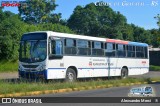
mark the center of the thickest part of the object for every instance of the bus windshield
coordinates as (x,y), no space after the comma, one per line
(32,50)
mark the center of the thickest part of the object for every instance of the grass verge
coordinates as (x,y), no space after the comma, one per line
(24,87)
(8,66)
(154,68)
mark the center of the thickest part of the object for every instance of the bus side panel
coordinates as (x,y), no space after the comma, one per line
(95,66)
(56,73)
(135,66)
(141,67)
(119,63)
(56,69)
(91,66)
(81,63)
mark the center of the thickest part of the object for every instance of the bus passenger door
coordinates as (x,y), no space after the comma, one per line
(56,68)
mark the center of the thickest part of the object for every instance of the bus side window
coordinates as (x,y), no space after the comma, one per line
(146,52)
(70,46)
(130,51)
(139,52)
(56,47)
(110,49)
(83,47)
(142,52)
(133,52)
(120,50)
(97,48)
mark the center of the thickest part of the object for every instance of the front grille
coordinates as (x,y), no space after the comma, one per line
(30,66)
(30,70)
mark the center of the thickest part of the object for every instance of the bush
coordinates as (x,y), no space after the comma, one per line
(8,66)
(154,68)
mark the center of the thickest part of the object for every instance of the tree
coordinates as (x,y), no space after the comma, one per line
(54,27)
(39,11)
(11,29)
(1,15)
(155,41)
(127,32)
(141,35)
(97,21)
(5,14)
(158,19)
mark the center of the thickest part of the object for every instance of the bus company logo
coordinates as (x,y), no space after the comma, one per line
(143,62)
(11,3)
(146,91)
(90,63)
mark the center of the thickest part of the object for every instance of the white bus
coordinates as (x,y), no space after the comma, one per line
(53,55)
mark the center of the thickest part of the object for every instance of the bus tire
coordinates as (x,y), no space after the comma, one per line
(124,73)
(70,75)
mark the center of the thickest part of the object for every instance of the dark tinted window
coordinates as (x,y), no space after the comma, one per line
(70,43)
(140,52)
(121,52)
(110,49)
(70,46)
(97,48)
(34,36)
(82,43)
(146,52)
(83,47)
(97,45)
(130,51)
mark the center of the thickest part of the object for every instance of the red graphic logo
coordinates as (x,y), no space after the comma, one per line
(143,62)
(90,63)
(10,4)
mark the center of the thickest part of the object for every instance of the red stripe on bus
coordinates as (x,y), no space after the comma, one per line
(117,41)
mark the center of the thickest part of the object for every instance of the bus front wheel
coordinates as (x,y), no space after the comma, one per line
(70,75)
(124,73)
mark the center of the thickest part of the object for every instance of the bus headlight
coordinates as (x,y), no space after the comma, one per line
(41,68)
(20,68)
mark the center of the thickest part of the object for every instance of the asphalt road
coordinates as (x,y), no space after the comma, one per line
(108,92)
(151,74)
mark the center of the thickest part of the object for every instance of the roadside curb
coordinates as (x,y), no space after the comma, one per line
(72,89)
(153,81)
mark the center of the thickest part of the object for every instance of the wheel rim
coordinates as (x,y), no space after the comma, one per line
(123,74)
(70,76)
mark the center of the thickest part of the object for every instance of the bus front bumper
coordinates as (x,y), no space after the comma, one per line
(33,75)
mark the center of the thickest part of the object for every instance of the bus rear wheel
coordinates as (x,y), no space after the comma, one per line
(124,73)
(70,75)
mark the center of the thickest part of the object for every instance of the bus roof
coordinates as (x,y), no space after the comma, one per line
(58,34)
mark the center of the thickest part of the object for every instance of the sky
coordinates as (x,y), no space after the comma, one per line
(138,12)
